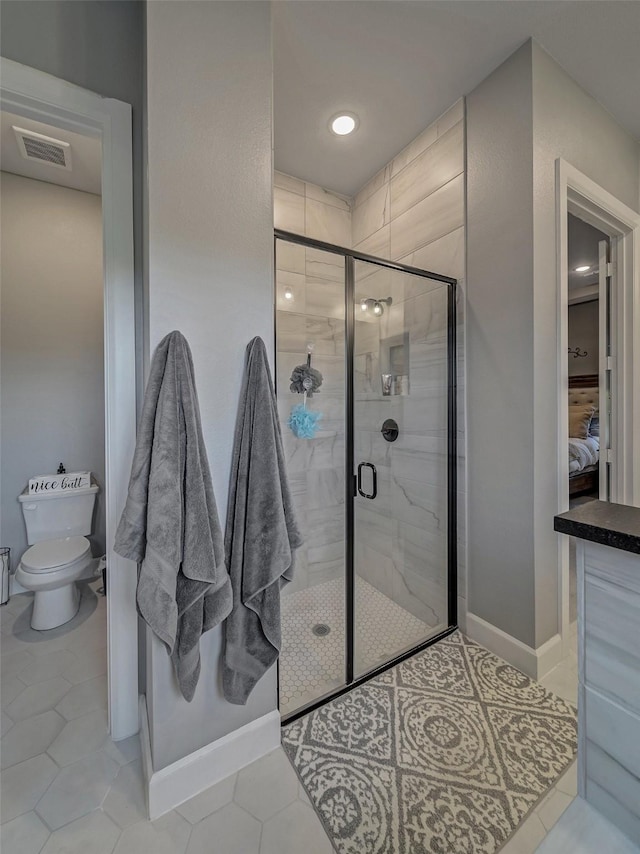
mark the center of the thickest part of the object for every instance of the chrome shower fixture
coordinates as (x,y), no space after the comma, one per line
(375,306)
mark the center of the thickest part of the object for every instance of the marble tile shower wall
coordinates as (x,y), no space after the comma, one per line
(402,534)
(313,314)
(411,211)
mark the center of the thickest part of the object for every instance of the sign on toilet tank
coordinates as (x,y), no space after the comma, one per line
(59,482)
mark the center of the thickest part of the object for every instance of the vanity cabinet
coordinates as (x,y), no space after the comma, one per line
(608,567)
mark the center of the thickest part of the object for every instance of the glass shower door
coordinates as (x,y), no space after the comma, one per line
(400,457)
(374,479)
(310,329)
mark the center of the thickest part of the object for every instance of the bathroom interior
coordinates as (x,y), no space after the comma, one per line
(374,582)
(52,355)
(370,588)
(369,301)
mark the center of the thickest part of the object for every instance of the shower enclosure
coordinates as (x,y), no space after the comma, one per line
(374,477)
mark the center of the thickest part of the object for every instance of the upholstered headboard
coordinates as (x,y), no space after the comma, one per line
(583,389)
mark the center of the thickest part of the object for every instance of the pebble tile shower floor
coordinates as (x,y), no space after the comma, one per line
(312,662)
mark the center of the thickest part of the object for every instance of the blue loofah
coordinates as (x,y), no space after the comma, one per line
(304,422)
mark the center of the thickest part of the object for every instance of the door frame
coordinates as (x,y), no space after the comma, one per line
(350,256)
(42,97)
(578,194)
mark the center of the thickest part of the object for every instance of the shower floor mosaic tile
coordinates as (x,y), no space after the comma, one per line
(445,753)
(312,664)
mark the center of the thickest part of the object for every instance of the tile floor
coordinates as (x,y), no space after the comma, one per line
(563,679)
(583,830)
(311,665)
(68,789)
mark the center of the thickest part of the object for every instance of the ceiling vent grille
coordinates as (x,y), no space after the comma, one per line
(45,149)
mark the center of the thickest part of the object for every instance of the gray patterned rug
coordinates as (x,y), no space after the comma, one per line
(445,753)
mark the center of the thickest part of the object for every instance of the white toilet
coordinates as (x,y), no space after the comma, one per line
(57,524)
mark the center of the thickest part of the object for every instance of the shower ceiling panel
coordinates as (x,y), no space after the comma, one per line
(399,65)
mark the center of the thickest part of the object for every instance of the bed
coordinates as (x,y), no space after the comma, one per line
(584,453)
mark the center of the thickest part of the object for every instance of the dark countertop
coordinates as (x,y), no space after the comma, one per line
(614,525)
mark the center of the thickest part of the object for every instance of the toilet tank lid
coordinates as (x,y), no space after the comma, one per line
(48,496)
(51,553)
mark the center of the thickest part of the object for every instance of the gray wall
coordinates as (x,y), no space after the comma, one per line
(99,45)
(51,339)
(96,44)
(519,121)
(584,323)
(568,123)
(210,268)
(500,422)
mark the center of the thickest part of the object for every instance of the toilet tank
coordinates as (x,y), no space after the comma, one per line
(54,515)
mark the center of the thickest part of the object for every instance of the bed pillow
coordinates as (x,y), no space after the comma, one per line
(594,427)
(579,420)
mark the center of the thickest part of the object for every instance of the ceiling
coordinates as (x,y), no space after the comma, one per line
(583,242)
(399,65)
(86,156)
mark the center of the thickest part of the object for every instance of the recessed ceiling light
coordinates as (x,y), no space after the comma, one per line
(583,268)
(343,124)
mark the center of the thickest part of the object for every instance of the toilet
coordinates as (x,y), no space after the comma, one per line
(60,553)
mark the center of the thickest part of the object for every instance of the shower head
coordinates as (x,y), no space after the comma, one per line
(374,306)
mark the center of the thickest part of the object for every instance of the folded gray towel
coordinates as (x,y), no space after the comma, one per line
(170,521)
(261,534)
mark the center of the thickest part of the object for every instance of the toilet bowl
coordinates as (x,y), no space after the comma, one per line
(51,569)
(59,553)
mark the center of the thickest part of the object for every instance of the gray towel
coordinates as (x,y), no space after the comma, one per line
(170,521)
(261,533)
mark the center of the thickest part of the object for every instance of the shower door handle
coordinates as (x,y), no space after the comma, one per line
(361,492)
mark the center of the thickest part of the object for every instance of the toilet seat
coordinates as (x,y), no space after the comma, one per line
(49,555)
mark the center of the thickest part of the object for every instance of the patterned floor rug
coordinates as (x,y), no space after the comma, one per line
(445,753)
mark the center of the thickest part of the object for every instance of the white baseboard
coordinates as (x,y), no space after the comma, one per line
(536,663)
(462,614)
(175,784)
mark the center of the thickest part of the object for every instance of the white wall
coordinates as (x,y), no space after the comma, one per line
(519,121)
(210,271)
(52,358)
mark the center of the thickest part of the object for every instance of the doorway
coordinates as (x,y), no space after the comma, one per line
(36,96)
(589,347)
(612,387)
(370,445)
(52,345)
